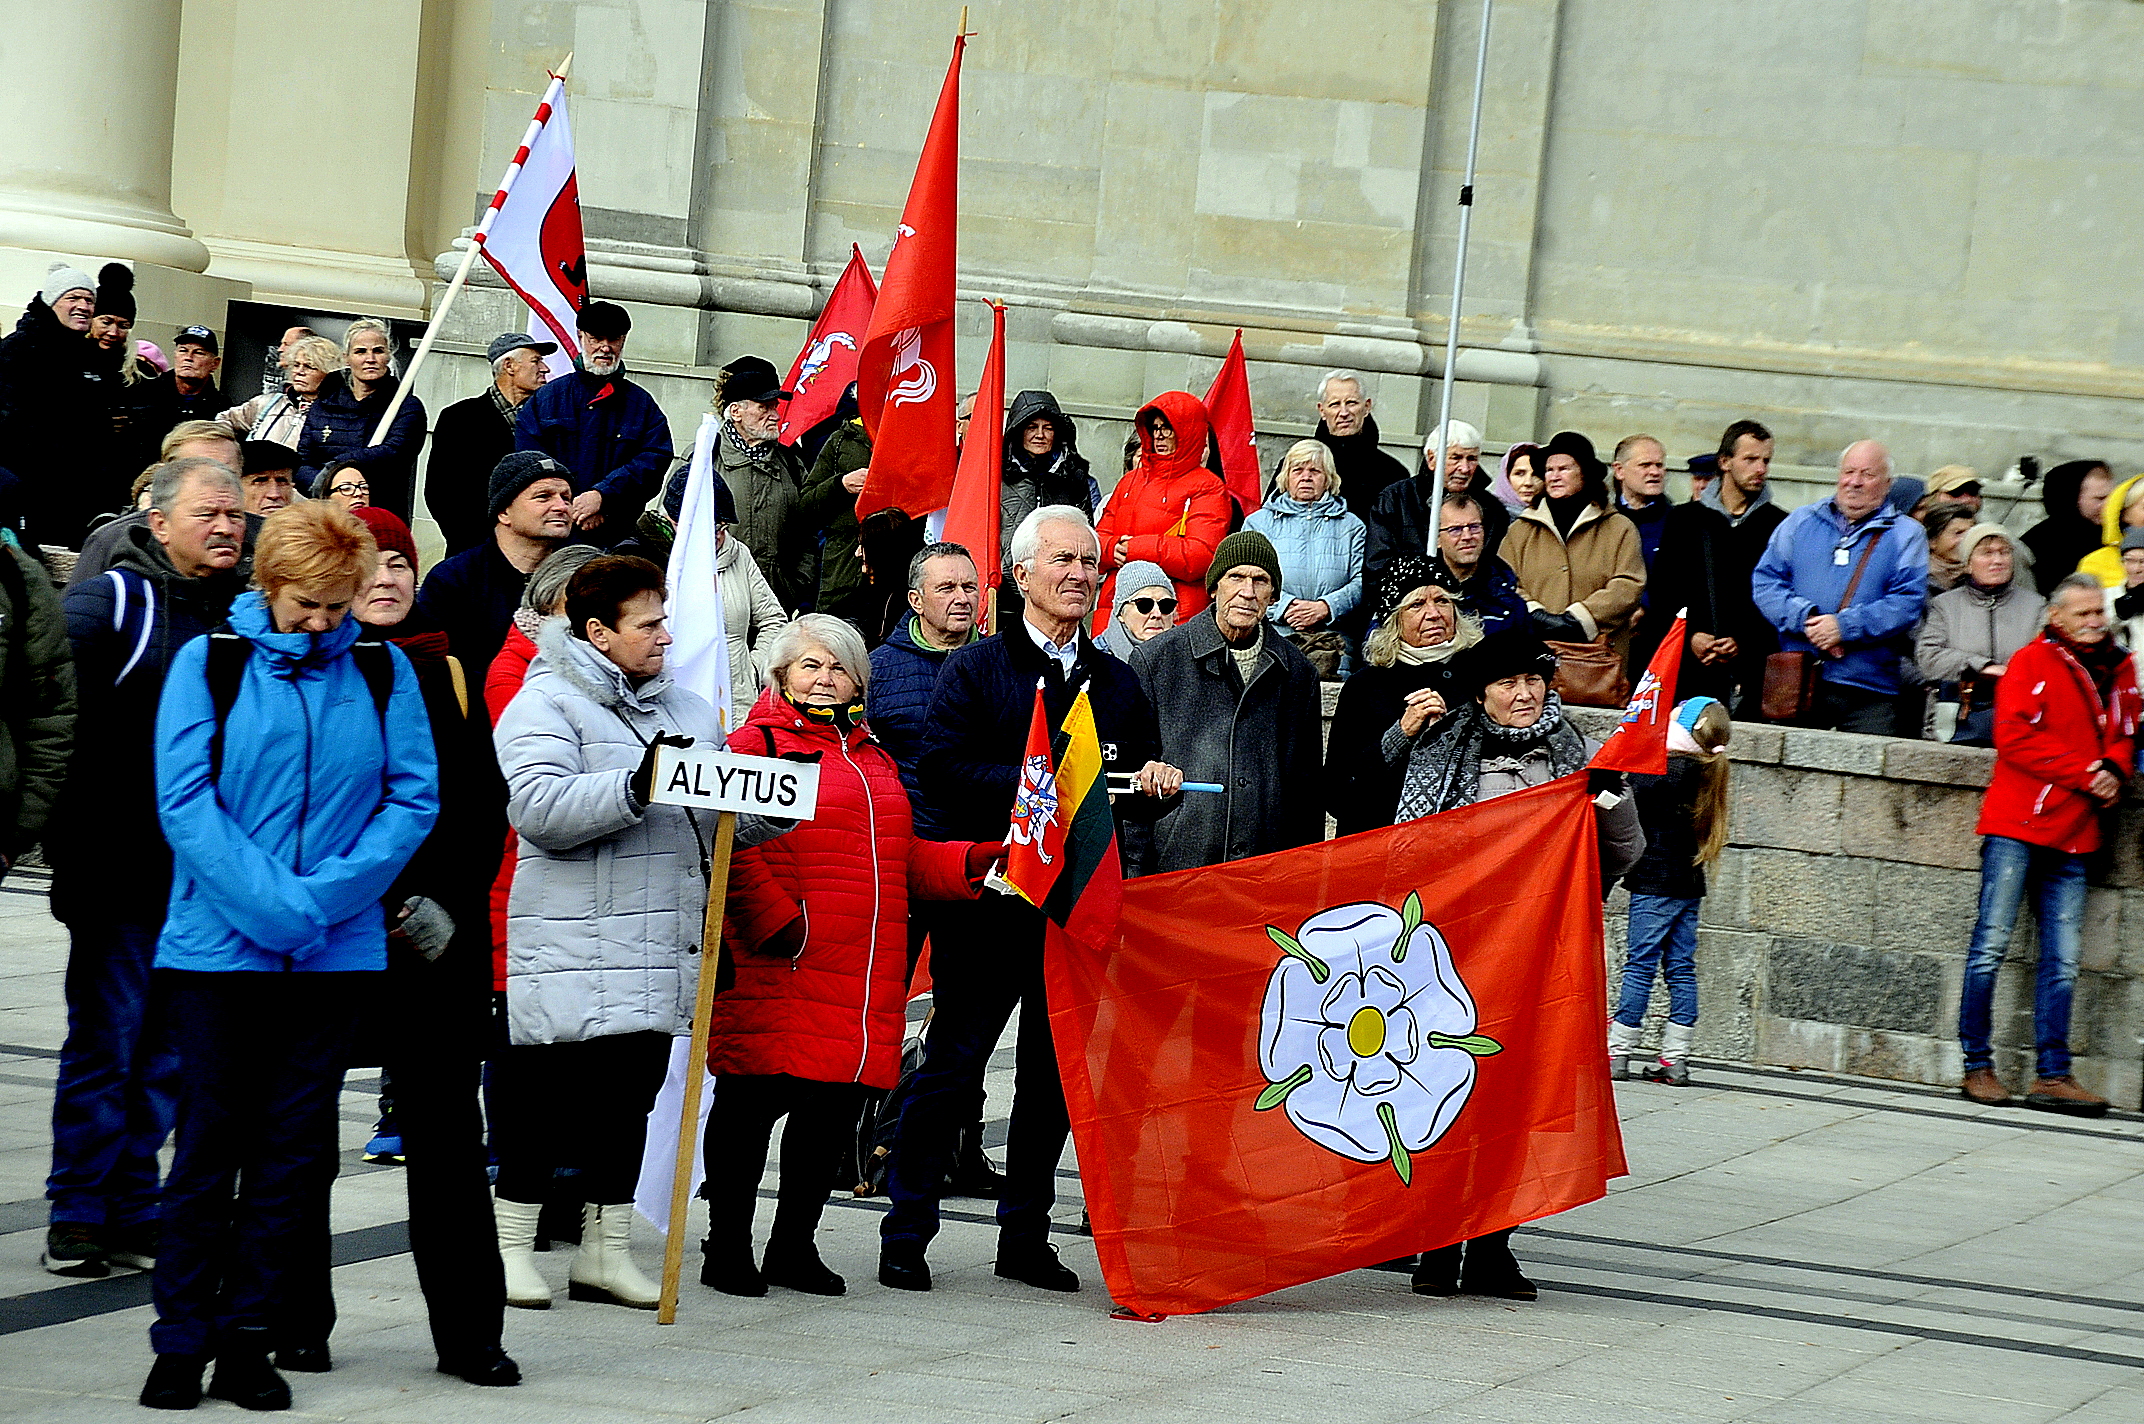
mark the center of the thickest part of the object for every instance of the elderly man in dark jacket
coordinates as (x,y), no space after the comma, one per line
(173,580)
(471,437)
(55,408)
(1238,707)
(606,430)
(36,699)
(987,958)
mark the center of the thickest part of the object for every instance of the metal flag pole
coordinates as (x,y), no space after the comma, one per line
(438,319)
(1459,282)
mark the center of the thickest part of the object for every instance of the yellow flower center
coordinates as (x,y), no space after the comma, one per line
(1366,1032)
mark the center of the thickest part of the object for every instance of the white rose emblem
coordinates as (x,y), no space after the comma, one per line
(1367,1034)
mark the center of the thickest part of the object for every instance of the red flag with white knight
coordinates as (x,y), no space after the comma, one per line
(1287,1067)
(531,232)
(826,365)
(1228,408)
(905,385)
(1035,845)
(1640,740)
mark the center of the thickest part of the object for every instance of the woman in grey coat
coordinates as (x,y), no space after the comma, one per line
(1972,631)
(1511,735)
(603,923)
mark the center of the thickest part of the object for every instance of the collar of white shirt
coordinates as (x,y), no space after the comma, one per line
(1066,656)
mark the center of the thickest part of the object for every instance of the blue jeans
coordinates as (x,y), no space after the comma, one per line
(2008,868)
(118,1080)
(1663,941)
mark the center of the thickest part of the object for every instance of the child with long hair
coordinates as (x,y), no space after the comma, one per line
(1684,813)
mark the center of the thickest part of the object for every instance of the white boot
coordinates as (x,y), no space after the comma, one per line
(525,1286)
(1674,1066)
(1622,1043)
(603,1268)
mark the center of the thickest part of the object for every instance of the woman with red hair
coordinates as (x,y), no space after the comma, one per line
(1169,509)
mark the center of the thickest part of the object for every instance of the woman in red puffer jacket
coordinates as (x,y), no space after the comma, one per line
(1170,509)
(817,927)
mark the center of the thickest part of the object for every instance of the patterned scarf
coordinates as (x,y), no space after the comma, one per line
(1444,772)
(757,454)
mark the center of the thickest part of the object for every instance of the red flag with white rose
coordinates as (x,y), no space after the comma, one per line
(1284,1068)
(531,232)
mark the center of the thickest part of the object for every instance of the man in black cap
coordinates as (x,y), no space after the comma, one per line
(473,435)
(767,477)
(188,391)
(270,477)
(608,432)
(474,594)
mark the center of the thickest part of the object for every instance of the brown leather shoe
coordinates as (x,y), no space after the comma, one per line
(2062,1095)
(1983,1087)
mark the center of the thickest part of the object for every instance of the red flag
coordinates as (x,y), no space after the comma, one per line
(971,518)
(1640,743)
(531,232)
(826,365)
(905,373)
(1035,846)
(1288,1067)
(1228,406)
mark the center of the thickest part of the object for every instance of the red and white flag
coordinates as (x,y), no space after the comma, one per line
(1640,741)
(1228,406)
(531,233)
(827,364)
(972,518)
(905,388)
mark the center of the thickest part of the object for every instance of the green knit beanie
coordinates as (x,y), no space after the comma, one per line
(1245,546)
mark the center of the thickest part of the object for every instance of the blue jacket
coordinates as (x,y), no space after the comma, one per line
(1492,595)
(338,427)
(1805,569)
(1320,547)
(904,673)
(280,863)
(617,444)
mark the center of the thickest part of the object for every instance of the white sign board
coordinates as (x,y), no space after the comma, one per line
(724,781)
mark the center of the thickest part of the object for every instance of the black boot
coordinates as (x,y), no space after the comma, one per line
(727,1266)
(1492,1270)
(305,1359)
(486,1365)
(796,1266)
(1437,1272)
(243,1374)
(973,1174)
(174,1382)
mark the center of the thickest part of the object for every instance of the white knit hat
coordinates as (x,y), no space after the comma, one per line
(62,278)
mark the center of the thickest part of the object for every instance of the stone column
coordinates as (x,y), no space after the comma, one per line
(86,114)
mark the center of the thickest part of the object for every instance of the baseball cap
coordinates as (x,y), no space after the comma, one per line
(199,336)
(518,341)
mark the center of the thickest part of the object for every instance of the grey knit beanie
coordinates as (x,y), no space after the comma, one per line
(62,278)
(1137,575)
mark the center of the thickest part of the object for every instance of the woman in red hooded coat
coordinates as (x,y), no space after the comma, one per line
(1169,509)
(817,928)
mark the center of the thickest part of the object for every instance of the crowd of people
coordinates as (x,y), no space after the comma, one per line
(356,793)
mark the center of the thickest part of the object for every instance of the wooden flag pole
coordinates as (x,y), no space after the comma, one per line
(431,330)
(688,1130)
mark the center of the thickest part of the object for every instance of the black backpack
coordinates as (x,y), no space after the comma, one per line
(228,652)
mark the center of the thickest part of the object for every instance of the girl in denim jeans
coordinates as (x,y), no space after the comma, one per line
(1684,813)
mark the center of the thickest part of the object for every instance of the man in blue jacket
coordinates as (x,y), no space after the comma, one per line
(1846,579)
(603,428)
(942,598)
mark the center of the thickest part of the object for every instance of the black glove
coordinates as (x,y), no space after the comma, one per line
(1561,627)
(641,785)
(1612,782)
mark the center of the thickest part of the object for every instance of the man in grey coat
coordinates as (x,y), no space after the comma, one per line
(1239,707)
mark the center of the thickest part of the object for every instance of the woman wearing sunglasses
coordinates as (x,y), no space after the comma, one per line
(1146,605)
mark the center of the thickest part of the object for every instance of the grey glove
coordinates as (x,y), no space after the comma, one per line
(428,926)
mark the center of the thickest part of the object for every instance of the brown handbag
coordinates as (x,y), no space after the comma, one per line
(1790,678)
(1590,674)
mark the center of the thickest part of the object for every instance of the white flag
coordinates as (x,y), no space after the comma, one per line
(531,233)
(699,660)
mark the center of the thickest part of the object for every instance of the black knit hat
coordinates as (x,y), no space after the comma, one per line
(115,290)
(516,472)
(1405,574)
(1509,653)
(1591,471)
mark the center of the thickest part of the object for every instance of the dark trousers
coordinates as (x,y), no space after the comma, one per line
(986,961)
(118,1079)
(246,1207)
(1840,708)
(740,1123)
(572,1118)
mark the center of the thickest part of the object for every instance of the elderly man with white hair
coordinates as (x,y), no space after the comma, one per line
(1844,580)
(1361,468)
(1400,520)
(986,955)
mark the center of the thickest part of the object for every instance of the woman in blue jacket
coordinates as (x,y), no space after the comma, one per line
(294,781)
(1321,557)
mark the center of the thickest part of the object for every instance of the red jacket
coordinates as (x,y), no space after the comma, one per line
(836,1013)
(504,678)
(1173,509)
(2052,735)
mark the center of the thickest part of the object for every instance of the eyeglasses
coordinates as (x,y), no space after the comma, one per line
(1148,605)
(349,487)
(1462,529)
